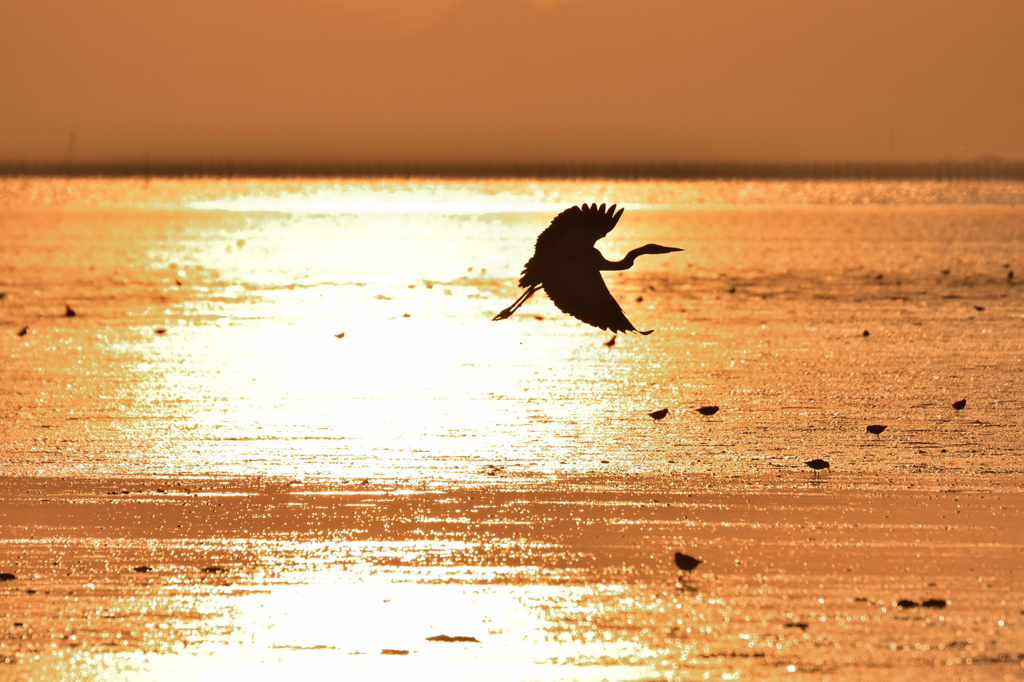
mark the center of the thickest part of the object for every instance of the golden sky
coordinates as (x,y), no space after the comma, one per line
(510,80)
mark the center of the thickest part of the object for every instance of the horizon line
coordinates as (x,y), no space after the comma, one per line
(981,169)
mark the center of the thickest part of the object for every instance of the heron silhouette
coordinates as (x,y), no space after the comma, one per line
(568,267)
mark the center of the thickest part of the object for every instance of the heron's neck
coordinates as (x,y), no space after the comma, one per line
(626,263)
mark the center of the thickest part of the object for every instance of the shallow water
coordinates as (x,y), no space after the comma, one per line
(433,472)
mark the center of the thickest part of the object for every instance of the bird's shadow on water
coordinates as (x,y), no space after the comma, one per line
(688,588)
(691,586)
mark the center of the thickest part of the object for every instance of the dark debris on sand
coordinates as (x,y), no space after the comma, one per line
(927,603)
(451,638)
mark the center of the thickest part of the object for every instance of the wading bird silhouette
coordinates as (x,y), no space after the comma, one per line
(708,410)
(687,563)
(568,267)
(818,465)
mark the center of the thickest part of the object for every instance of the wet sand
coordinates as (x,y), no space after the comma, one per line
(439,474)
(558,583)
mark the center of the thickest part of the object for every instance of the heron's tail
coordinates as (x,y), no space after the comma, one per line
(507,312)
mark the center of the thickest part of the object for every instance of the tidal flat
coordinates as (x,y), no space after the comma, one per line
(281,432)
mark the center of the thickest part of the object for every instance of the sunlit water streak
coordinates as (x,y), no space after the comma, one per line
(503,479)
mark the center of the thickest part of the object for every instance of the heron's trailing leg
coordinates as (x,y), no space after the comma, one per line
(507,312)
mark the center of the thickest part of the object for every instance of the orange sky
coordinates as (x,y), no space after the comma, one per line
(510,80)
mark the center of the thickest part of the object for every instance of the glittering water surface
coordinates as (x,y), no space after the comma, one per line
(431,472)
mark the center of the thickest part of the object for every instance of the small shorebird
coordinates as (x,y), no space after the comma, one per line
(68,312)
(687,563)
(959,405)
(708,410)
(877,428)
(658,414)
(818,465)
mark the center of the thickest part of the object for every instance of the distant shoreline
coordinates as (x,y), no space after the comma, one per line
(939,170)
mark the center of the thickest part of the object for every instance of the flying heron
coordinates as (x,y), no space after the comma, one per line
(568,267)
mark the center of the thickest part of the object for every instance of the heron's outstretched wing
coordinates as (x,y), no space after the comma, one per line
(594,219)
(578,289)
(575,229)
